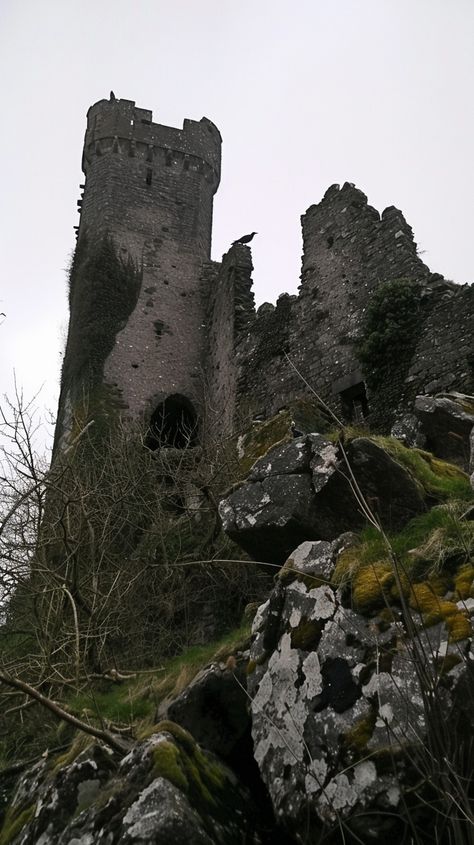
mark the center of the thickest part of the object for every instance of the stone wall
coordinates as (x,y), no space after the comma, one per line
(193,329)
(349,250)
(230,308)
(151,188)
(444,356)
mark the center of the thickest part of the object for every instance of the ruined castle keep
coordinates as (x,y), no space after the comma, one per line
(160,330)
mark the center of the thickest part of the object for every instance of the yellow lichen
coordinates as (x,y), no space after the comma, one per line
(347,564)
(425,599)
(459,626)
(371,585)
(464,581)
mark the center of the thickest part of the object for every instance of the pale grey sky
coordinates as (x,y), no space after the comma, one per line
(305,93)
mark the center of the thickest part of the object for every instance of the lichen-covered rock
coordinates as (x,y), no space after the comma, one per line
(299,417)
(304,490)
(447,421)
(407,431)
(338,707)
(167,790)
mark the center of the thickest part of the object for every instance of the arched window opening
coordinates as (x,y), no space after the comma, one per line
(173,424)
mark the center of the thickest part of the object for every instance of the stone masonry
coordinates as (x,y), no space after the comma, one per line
(151,188)
(194,332)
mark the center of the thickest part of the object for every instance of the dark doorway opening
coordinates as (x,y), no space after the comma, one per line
(354,403)
(173,424)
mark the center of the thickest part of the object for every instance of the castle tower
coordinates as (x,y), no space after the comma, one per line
(148,193)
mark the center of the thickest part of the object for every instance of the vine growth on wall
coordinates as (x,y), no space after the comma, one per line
(388,344)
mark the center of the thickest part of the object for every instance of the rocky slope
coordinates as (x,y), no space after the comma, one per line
(345,715)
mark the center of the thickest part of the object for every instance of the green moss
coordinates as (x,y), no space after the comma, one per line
(183,736)
(427,599)
(15,821)
(360,733)
(79,744)
(167,763)
(184,764)
(261,438)
(434,558)
(307,635)
(438,478)
(251,666)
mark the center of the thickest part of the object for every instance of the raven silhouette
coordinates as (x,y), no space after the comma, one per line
(245,239)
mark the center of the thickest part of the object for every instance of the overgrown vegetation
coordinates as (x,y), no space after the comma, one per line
(111,561)
(387,345)
(103,292)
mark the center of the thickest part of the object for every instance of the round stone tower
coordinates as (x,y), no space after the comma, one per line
(149,188)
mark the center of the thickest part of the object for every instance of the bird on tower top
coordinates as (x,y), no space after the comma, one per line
(112,96)
(245,239)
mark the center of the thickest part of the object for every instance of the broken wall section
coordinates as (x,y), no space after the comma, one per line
(349,251)
(230,307)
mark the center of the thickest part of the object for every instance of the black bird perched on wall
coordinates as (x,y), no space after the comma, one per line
(112,96)
(245,239)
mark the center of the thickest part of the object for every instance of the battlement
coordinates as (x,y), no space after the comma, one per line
(120,126)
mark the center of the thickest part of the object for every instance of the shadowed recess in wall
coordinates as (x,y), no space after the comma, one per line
(173,423)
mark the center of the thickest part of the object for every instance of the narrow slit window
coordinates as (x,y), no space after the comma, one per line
(149,175)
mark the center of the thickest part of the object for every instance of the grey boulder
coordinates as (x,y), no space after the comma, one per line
(338,711)
(305,490)
(447,420)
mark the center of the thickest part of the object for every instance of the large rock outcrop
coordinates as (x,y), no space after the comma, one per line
(343,703)
(446,422)
(306,489)
(167,790)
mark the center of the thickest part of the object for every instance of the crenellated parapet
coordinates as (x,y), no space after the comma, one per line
(119,126)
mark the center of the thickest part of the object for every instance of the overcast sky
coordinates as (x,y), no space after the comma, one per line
(305,93)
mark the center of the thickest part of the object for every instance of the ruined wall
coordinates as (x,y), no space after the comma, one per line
(151,188)
(188,326)
(349,249)
(444,356)
(230,308)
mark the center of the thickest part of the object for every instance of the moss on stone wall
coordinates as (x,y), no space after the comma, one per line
(103,292)
(388,343)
